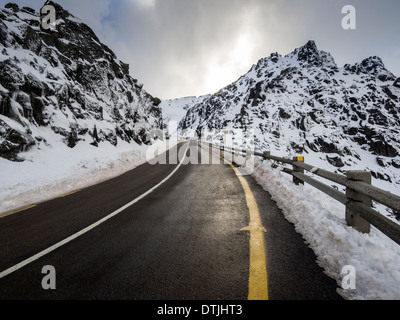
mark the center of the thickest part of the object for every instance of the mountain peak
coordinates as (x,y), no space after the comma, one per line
(373,66)
(307,52)
(61,12)
(310,46)
(310,55)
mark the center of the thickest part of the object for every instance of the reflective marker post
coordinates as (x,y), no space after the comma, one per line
(296,180)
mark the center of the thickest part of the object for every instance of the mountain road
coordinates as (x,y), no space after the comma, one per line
(179,231)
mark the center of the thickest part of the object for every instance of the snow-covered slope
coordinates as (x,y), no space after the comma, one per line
(70,113)
(65,87)
(345,118)
(174,110)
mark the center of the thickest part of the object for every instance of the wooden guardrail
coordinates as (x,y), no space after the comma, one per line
(357,198)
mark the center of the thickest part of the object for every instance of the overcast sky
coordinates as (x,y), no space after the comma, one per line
(183,48)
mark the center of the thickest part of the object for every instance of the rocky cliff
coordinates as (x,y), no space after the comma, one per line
(65,86)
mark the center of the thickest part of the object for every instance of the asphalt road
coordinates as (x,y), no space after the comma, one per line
(183,241)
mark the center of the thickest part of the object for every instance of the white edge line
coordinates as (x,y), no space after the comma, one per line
(87,229)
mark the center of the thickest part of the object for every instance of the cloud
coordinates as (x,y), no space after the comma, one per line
(194,47)
(146,3)
(186,47)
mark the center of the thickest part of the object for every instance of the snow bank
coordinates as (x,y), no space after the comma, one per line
(321,221)
(51,172)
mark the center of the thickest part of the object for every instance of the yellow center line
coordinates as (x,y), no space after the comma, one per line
(30,207)
(69,194)
(14,212)
(258,279)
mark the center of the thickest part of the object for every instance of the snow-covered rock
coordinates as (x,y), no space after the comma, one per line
(339,118)
(70,113)
(173,111)
(68,83)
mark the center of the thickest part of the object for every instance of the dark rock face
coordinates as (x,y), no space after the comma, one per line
(310,54)
(16,142)
(68,81)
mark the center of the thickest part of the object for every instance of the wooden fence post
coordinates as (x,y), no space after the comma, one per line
(354,219)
